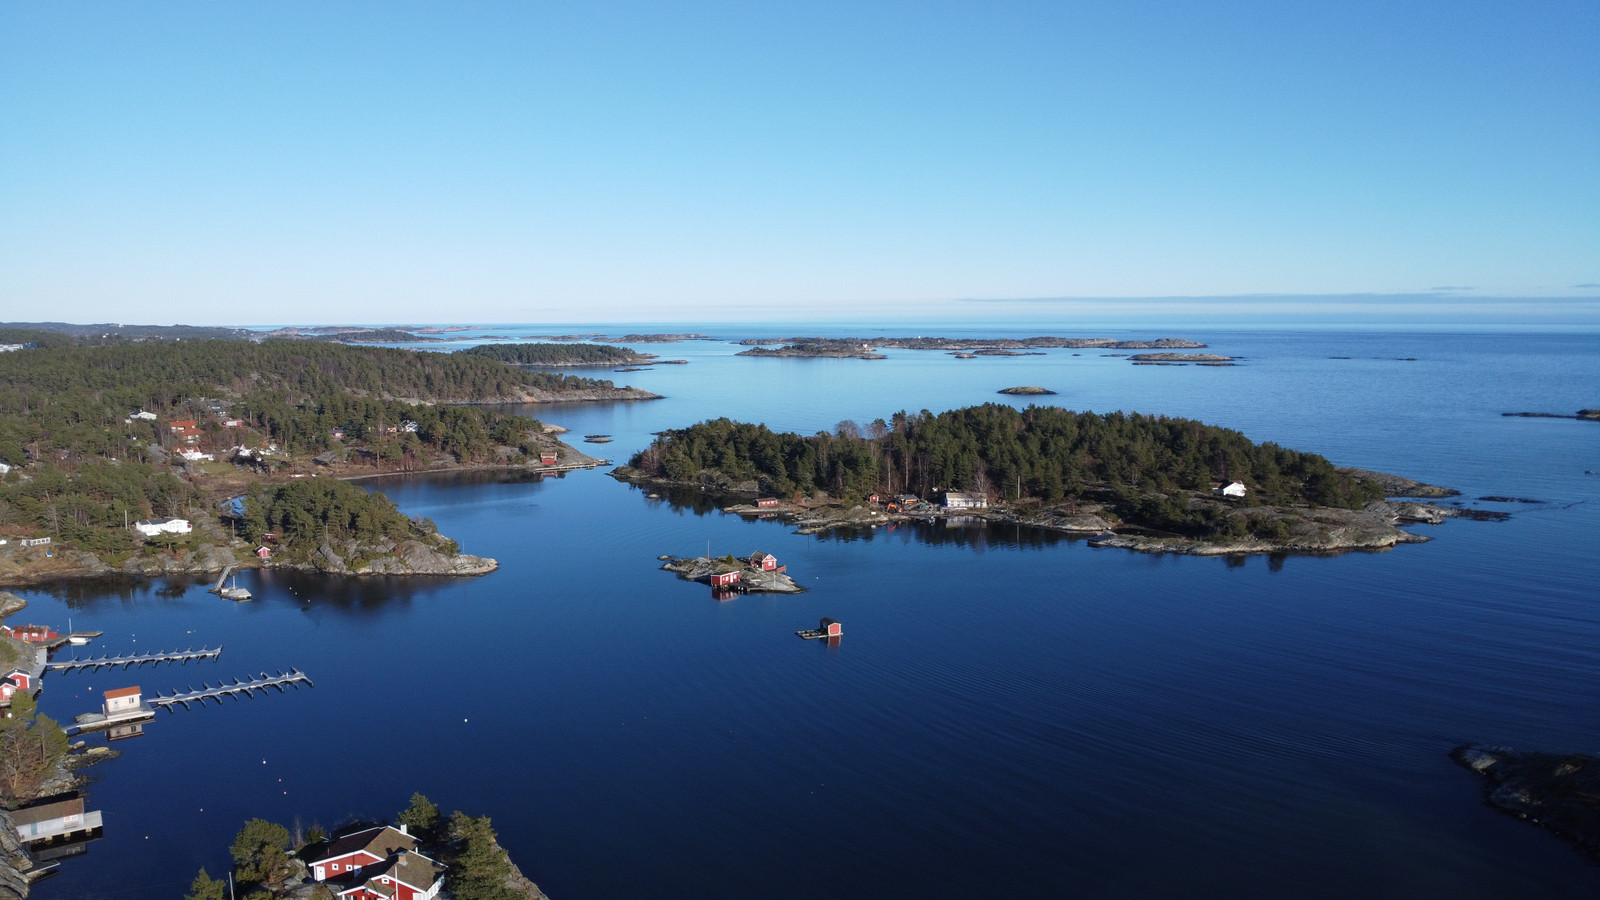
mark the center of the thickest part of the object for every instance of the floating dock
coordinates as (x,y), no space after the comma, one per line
(130,660)
(827,629)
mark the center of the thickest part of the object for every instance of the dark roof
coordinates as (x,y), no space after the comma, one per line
(44,812)
(381,841)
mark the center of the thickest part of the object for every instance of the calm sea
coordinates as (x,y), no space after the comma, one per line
(1009,714)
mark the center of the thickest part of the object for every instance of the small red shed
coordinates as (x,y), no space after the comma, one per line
(724,579)
(765,502)
(547,457)
(765,562)
(263,552)
(830,628)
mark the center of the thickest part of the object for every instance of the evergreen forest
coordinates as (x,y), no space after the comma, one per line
(546,354)
(78,464)
(1142,463)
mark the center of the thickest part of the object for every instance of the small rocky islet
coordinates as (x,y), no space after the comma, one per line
(1559,792)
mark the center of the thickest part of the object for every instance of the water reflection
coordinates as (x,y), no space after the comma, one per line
(349,593)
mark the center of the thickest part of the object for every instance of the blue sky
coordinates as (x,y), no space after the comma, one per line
(401,162)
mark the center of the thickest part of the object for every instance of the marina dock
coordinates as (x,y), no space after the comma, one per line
(129,660)
(245,688)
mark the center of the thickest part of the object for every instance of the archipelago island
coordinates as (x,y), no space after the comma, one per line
(1132,481)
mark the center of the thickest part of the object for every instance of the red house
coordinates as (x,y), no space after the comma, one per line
(34,634)
(14,681)
(765,502)
(765,562)
(357,850)
(263,552)
(830,628)
(407,875)
(724,579)
(547,457)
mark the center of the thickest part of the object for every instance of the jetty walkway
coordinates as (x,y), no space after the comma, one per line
(245,688)
(130,660)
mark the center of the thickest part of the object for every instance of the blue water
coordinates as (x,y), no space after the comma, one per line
(1010,713)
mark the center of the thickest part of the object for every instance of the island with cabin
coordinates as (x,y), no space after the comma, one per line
(1132,481)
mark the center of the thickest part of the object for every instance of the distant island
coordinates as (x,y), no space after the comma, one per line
(623,338)
(866,348)
(1027,391)
(131,464)
(1032,343)
(1204,359)
(1140,482)
(561,355)
(1591,415)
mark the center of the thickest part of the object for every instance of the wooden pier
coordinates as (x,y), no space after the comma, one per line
(245,688)
(127,661)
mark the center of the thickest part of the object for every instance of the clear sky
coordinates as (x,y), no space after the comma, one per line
(309,162)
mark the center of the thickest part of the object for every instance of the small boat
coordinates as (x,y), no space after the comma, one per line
(597,438)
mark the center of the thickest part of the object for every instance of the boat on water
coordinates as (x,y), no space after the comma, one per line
(597,438)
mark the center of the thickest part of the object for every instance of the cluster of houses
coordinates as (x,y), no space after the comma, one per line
(378,863)
(759,561)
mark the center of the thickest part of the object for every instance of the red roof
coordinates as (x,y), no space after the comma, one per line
(122,692)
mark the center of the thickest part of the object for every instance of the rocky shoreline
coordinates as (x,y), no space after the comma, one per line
(1558,792)
(751,579)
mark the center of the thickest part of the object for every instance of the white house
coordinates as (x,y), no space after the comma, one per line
(1231,489)
(194,455)
(141,414)
(4,468)
(165,525)
(955,500)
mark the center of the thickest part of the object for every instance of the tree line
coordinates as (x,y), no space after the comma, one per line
(546,354)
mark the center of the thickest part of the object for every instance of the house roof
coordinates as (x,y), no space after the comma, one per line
(408,867)
(380,840)
(115,693)
(44,812)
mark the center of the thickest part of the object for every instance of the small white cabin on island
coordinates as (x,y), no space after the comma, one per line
(955,500)
(1231,489)
(121,700)
(164,525)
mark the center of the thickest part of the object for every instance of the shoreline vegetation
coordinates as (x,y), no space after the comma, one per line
(99,433)
(1147,483)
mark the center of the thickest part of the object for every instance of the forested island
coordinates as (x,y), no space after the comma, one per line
(1165,484)
(98,434)
(557,355)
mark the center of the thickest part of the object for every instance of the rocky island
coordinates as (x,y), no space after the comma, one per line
(1026,391)
(753,575)
(1180,359)
(1143,483)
